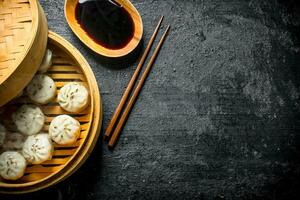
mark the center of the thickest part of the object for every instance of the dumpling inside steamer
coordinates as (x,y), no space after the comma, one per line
(41,89)
(14,142)
(12,165)
(47,62)
(38,148)
(29,119)
(64,129)
(73,97)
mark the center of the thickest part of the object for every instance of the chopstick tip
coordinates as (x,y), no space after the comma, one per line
(160,20)
(111,146)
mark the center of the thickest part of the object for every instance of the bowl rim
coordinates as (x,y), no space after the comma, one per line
(69,11)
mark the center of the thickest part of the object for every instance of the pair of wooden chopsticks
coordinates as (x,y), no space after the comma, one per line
(113,130)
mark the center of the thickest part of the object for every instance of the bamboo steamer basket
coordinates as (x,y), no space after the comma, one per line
(68,66)
(23,40)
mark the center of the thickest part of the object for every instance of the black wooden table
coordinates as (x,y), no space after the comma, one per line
(218,117)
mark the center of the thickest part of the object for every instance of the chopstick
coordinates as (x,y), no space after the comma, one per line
(117,131)
(131,84)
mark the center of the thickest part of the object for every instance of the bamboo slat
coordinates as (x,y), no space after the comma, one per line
(66,158)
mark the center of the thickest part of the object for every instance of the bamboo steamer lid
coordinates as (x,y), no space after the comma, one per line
(23,40)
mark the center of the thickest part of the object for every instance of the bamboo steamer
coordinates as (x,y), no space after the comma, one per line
(23,40)
(68,66)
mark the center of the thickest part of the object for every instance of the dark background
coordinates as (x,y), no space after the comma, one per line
(218,117)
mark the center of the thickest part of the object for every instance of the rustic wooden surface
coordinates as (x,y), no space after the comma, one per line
(218,117)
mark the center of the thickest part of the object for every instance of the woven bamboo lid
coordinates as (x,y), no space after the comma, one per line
(23,39)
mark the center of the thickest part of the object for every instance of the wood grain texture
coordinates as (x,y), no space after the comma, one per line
(70,6)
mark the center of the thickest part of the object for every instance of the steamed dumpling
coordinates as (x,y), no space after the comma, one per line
(14,141)
(29,119)
(38,148)
(12,165)
(47,62)
(41,89)
(2,134)
(64,129)
(73,97)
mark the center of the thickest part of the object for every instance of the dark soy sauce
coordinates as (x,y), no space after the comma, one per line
(106,22)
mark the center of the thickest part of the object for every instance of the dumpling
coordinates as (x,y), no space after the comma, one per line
(2,134)
(29,119)
(41,89)
(14,141)
(38,148)
(64,129)
(47,62)
(12,165)
(73,97)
